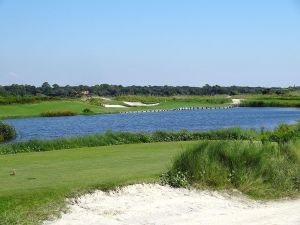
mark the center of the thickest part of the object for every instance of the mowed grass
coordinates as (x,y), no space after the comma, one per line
(44,179)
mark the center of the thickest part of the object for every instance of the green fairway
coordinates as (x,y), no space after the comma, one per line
(28,110)
(36,109)
(77,106)
(44,179)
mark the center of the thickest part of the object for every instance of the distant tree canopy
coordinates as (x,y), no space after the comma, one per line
(116,90)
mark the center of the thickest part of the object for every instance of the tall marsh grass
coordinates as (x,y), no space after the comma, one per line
(270,101)
(117,138)
(260,170)
(282,134)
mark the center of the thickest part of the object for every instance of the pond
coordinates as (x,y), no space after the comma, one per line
(56,127)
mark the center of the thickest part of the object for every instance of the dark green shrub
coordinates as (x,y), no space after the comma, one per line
(57,113)
(7,132)
(175,179)
(283,134)
(87,111)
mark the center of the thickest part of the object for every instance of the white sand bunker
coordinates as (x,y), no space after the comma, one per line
(114,106)
(105,98)
(153,204)
(139,104)
(236,101)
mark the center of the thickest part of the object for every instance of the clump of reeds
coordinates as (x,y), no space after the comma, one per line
(268,170)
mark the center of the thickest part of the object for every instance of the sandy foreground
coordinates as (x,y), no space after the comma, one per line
(153,204)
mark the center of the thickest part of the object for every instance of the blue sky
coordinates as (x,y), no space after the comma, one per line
(150,42)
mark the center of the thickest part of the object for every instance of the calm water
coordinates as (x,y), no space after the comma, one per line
(47,128)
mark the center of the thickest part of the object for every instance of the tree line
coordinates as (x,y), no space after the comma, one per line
(116,90)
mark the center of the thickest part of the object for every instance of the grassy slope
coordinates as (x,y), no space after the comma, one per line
(44,179)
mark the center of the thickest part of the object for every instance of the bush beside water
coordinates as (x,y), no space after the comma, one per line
(57,113)
(87,111)
(7,132)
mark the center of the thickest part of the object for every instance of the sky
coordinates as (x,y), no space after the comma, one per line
(150,42)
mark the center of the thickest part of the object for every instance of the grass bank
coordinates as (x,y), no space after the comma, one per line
(118,138)
(282,134)
(270,101)
(43,180)
(260,170)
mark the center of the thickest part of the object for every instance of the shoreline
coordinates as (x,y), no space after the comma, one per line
(155,110)
(132,111)
(180,109)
